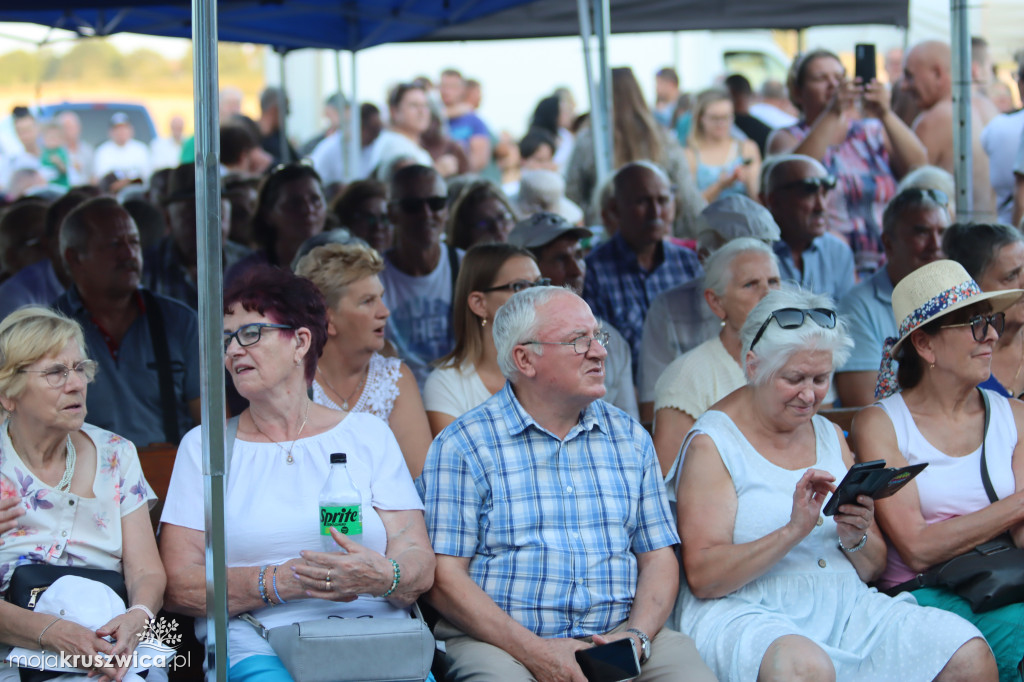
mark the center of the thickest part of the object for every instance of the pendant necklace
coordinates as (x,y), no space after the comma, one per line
(305,418)
(344,401)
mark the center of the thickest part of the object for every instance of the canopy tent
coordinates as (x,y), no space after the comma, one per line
(359,24)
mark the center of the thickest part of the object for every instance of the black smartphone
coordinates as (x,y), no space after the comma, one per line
(871,479)
(864,56)
(613,662)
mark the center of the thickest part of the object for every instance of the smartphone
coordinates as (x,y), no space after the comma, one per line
(864,56)
(613,662)
(871,479)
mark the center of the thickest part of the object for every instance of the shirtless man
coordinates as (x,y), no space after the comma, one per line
(926,76)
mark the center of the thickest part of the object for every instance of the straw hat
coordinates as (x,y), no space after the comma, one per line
(927,293)
(936,289)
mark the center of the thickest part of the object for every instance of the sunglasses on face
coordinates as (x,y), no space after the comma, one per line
(519,285)
(248,334)
(812,185)
(57,375)
(979,325)
(414,205)
(793,318)
(372,220)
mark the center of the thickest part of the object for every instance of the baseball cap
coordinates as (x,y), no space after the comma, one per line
(543,228)
(120,118)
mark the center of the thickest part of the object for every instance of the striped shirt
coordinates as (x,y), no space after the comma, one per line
(551,527)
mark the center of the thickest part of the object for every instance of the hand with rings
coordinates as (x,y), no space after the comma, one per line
(346,574)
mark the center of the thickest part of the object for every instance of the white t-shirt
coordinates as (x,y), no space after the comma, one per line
(699,379)
(132,159)
(165,152)
(1000,139)
(271,512)
(389,145)
(454,391)
(420,325)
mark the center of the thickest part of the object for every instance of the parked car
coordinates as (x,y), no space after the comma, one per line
(95,117)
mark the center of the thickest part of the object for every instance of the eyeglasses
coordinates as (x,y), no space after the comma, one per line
(979,325)
(248,334)
(793,318)
(494,224)
(580,344)
(519,285)
(415,204)
(372,220)
(815,185)
(58,375)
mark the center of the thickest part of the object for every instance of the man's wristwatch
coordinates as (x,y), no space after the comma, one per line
(645,643)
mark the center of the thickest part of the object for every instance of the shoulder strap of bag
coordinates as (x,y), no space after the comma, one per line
(229,443)
(162,355)
(453,264)
(985,480)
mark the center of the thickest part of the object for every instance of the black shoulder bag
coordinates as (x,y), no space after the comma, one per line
(989,576)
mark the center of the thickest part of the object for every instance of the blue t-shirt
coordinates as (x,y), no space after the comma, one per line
(462,128)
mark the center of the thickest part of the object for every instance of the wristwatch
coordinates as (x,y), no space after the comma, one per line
(645,643)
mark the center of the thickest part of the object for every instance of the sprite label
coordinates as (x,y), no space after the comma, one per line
(346,519)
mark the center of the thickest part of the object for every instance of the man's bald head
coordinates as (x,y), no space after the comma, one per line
(926,73)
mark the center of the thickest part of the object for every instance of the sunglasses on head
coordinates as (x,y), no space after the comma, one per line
(793,318)
(979,325)
(915,195)
(415,204)
(814,185)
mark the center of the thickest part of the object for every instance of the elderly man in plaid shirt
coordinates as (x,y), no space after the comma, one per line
(547,511)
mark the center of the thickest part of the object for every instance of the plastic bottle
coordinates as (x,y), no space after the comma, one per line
(340,505)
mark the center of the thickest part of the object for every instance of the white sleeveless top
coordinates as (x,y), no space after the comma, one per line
(951,486)
(379,394)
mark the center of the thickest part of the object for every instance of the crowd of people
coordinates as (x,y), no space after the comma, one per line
(574,413)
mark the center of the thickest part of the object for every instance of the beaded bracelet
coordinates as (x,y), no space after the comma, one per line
(273,581)
(394,581)
(143,608)
(263,586)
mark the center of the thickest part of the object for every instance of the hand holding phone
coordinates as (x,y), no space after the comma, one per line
(615,661)
(871,479)
(865,68)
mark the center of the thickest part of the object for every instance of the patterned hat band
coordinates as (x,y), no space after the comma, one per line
(966,289)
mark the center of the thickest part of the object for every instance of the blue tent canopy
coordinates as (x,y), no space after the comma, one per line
(359,24)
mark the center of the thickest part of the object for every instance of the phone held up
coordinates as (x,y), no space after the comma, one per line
(612,662)
(864,56)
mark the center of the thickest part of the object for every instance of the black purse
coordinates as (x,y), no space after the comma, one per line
(989,576)
(30,580)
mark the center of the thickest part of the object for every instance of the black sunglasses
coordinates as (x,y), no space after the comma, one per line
(814,185)
(979,325)
(413,205)
(519,285)
(793,318)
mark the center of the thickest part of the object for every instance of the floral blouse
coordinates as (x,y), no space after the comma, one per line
(64,529)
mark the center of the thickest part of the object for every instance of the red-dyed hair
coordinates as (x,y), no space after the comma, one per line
(286,299)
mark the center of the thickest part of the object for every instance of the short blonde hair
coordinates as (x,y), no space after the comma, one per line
(332,267)
(30,334)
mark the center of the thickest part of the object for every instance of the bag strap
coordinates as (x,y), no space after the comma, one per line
(261,629)
(229,443)
(985,480)
(162,354)
(453,265)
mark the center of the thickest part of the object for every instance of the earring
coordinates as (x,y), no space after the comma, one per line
(931,366)
(483,323)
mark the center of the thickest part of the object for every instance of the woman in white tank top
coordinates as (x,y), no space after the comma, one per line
(934,413)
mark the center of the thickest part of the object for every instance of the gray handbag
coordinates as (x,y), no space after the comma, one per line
(336,649)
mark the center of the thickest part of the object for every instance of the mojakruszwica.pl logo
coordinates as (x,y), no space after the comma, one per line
(156,649)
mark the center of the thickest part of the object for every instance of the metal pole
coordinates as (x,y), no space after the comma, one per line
(343,120)
(355,138)
(211,348)
(282,115)
(963,164)
(602,27)
(597,112)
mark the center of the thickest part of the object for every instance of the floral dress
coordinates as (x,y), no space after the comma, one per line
(64,529)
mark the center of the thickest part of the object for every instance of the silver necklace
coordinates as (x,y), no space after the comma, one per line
(305,418)
(344,401)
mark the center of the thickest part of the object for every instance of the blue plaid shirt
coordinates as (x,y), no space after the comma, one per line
(620,291)
(551,527)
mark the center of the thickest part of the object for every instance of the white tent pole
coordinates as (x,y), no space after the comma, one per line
(597,111)
(355,138)
(963,164)
(282,115)
(343,121)
(211,347)
(602,27)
